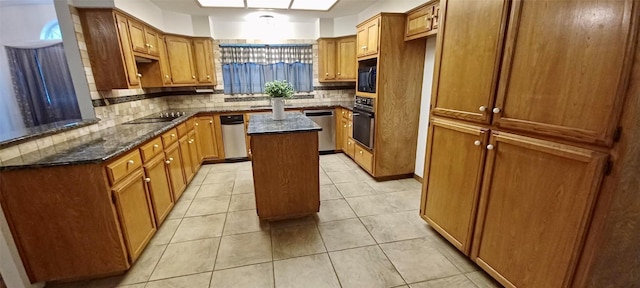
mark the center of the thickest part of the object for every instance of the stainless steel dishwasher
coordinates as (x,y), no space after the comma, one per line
(233,136)
(326,137)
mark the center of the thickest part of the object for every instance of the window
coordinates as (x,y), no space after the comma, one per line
(246,68)
(51,31)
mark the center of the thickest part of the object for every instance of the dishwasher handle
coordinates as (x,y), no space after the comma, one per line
(231,119)
(312,113)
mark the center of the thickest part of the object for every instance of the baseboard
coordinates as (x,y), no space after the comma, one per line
(418,178)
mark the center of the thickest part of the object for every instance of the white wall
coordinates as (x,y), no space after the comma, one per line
(144,10)
(252,30)
(425,103)
(389,6)
(18,25)
(343,26)
(201,26)
(325,27)
(177,23)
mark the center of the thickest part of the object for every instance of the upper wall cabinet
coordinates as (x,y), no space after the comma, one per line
(180,60)
(566,76)
(422,21)
(368,33)
(144,39)
(337,58)
(465,76)
(203,56)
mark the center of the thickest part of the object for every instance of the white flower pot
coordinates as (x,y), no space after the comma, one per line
(277,105)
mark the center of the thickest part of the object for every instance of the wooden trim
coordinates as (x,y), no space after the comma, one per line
(418,178)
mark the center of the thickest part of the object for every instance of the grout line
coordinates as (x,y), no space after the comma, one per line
(327,252)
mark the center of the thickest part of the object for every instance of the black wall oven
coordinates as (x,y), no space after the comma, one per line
(364,121)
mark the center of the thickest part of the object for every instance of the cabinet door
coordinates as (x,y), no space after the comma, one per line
(536,202)
(187,166)
(419,21)
(208,137)
(152,40)
(372,36)
(452,176)
(350,128)
(364,158)
(203,58)
(362,41)
(346,59)
(164,63)
(138,42)
(159,188)
(566,76)
(127,52)
(467,58)
(351,147)
(135,213)
(174,166)
(339,133)
(180,60)
(193,152)
(327,59)
(197,124)
(345,132)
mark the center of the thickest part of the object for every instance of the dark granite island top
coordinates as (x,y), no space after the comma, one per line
(294,122)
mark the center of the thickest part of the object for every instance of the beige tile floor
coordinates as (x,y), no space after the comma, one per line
(367,234)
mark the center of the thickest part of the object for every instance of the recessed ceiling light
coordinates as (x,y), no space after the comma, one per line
(322,5)
(270,4)
(222,3)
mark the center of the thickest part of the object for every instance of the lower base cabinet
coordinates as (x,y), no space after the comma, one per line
(135,213)
(185,154)
(159,188)
(174,166)
(364,158)
(351,148)
(533,206)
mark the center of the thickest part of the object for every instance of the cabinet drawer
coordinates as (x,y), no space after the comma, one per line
(364,158)
(170,137)
(151,149)
(182,130)
(123,166)
(191,124)
(351,147)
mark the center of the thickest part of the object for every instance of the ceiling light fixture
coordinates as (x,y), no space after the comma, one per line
(269,4)
(320,5)
(222,3)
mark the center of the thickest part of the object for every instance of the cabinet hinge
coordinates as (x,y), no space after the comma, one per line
(608,167)
(617,134)
(113,198)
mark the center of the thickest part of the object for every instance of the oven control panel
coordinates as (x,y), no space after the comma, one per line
(364,103)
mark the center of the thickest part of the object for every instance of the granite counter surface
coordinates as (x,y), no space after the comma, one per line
(293,122)
(109,143)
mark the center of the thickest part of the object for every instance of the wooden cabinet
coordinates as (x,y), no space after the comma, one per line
(555,79)
(174,166)
(363,157)
(157,180)
(467,59)
(165,70)
(180,60)
(143,38)
(350,150)
(203,55)
(367,37)
(345,132)
(130,68)
(135,213)
(337,57)
(194,151)
(209,133)
(452,180)
(339,129)
(422,21)
(187,165)
(536,202)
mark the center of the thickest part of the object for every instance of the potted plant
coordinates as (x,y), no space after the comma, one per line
(278,90)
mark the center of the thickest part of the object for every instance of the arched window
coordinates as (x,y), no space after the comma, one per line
(51,31)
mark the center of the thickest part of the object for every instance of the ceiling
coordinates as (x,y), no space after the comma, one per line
(24,2)
(340,9)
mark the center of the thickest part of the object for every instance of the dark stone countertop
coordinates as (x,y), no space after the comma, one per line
(17,136)
(109,143)
(293,122)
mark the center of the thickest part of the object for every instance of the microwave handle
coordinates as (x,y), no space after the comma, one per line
(370,79)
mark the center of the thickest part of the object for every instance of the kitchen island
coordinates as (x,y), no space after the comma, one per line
(286,167)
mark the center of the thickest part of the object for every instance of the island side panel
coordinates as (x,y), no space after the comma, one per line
(63,222)
(286,174)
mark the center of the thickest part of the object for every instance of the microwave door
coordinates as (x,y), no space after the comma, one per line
(370,81)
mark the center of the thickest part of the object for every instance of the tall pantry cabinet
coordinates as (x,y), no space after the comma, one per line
(526,107)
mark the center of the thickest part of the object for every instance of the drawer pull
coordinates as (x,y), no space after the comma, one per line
(490,147)
(173,135)
(131,162)
(139,75)
(361,152)
(496,110)
(210,122)
(482,108)
(477,143)
(170,159)
(166,76)
(147,180)
(197,124)
(155,146)
(168,162)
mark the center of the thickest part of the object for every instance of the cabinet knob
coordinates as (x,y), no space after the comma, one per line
(210,122)
(147,180)
(477,143)
(482,108)
(361,152)
(131,162)
(173,135)
(166,76)
(326,74)
(363,47)
(139,75)
(150,46)
(490,147)
(496,110)
(168,162)
(170,159)
(338,73)
(345,126)
(349,125)
(208,76)
(155,146)
(147,44)
(342,112)
(193,77)
(197,124)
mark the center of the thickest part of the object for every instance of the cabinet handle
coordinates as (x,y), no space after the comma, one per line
(326,74)
(168,162)
(193,77)
(147,180)
(150,46)
(173,135)
(338,73)
(363,47)
(131,162)
(210,122)
(166,76)
(349,125)
(482,108)
(496,110)
(155,146)
(170,159)
(139,75)
(342,112)
(147,44)
(490,147)
(477,143)
(197,124)
(345,126)
(361,152)
(208,76)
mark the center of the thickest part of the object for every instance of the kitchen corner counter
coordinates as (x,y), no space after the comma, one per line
(293,122)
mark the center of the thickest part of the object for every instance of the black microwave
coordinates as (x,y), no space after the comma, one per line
(367,79)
